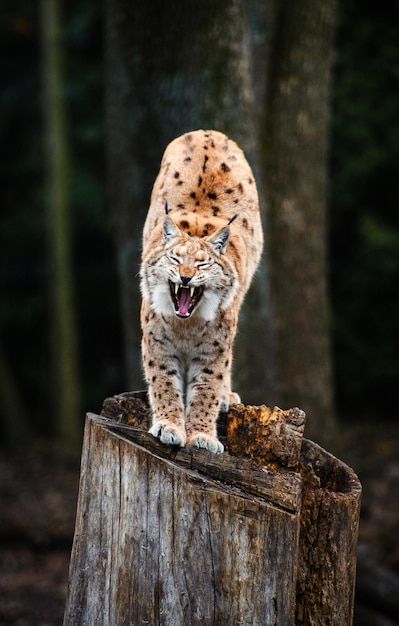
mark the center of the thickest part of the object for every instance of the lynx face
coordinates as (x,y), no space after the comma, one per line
(202,242)
(190,275)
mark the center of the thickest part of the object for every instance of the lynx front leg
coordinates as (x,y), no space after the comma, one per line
(168,411)
(165,390)
(206,392)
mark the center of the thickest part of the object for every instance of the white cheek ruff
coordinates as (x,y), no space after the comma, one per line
(160,300)
(231,294)
(209,305)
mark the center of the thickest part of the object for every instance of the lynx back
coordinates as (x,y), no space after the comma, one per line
(202,243)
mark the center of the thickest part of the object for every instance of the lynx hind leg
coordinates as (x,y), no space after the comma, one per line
(231,398)
(168,433)
(234,398)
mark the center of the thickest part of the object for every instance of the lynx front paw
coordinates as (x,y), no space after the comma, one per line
(168,433)
(201,440)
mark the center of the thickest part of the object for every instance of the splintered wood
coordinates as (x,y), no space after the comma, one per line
(266,435)
(130,407)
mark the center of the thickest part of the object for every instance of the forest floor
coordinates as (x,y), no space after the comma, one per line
(38,495)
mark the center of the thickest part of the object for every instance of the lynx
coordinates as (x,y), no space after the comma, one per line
(202,243)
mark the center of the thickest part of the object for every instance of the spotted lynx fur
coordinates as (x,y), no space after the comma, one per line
(202,243)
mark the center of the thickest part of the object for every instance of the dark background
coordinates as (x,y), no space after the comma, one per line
(363,280)
(363,215)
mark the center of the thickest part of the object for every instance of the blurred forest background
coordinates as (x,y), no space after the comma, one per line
(363,221)
(362,261)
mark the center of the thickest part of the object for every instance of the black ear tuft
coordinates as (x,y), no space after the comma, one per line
(232,219)
(166,208)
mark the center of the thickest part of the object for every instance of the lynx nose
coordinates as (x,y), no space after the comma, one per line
(185,279)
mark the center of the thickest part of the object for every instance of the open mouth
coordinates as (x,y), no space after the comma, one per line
(185,299)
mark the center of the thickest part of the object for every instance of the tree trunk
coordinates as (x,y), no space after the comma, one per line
(68,426)
(328,539)
(263,535)
(172,68)
(258,71)
(295,167)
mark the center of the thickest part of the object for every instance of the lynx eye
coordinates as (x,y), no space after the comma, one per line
(173,259)
(204,265)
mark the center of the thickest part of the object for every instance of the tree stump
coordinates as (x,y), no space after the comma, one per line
(264,534)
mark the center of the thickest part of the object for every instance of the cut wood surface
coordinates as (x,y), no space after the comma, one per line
(176,536)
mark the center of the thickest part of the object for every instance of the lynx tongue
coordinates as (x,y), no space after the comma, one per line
(184,301)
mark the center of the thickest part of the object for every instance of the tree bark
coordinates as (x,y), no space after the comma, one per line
(328,539)
(165,544)
(295,167)
(178,536)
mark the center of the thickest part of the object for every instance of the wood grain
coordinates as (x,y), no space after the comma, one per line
(264,534)
(159,543)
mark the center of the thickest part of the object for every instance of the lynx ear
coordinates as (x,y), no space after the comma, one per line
(170,230)
(220,239)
